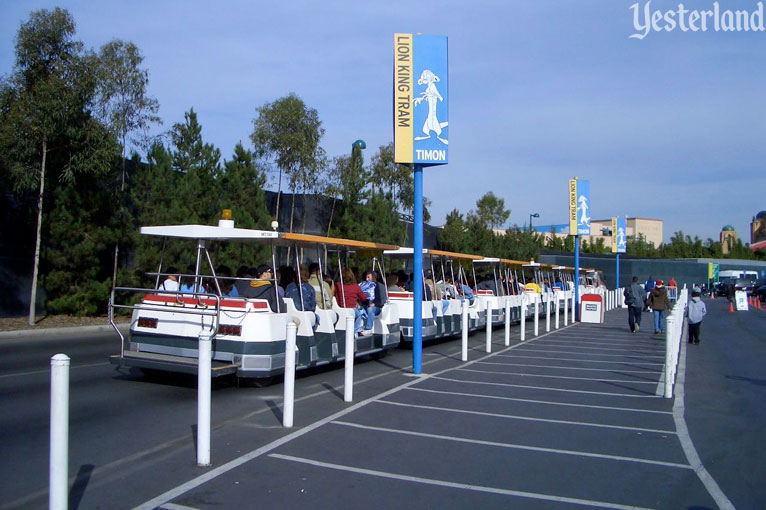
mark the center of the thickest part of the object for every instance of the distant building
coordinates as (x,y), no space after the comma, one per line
(649,228)
(758,228)
(728,239)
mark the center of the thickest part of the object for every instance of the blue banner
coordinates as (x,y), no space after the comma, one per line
(421,98)
(621,235)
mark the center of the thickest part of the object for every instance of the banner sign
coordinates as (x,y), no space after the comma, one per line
(712,271)
(579,207)
(421,113)
(619,237)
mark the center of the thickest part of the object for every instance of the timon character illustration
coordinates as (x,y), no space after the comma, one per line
(584,219)
(430,94)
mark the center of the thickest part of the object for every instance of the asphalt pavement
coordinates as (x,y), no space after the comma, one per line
(572,418)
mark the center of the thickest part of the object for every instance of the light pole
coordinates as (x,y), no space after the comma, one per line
(533,215)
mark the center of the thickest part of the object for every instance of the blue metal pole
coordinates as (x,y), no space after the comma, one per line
(617,278)
(417,267)
(577,280)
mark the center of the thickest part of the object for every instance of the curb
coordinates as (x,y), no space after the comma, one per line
(58,332)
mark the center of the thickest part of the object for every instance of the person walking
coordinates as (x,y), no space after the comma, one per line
(648,286)
(695,313)
(634,298)
(658,302)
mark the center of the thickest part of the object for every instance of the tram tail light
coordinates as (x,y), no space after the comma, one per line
(230,330)
(147,322)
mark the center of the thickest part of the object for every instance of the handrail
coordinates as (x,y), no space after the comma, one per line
(200,309)
(674,329)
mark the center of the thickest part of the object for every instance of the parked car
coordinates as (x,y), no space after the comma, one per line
(760,290)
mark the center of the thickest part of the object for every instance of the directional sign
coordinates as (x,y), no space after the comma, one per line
(579,207)
(619,237)
(421,113)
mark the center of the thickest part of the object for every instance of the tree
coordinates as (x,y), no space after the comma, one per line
(242,188)
(491,211)
(122,104)
(198,194)
(288,133)
(346,180)
(44,113)
(453,236)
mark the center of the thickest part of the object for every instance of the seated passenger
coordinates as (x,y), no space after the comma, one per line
(322,290)
(244,276)
(187,282)
(375,300)
(393,283)
(171,280)
(466,293)
(263,287)
(350,295)
(303,297)
(225,283)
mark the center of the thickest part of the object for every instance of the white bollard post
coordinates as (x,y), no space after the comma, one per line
(668,358)
(348,385)
(537,316)
(566,309)
(204,350)
(547,312)
(523,334)
(507,321)
(464,331)
(58,467)
(289,386)
(489,326)
(558,305)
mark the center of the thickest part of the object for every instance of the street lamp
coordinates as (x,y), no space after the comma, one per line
(533,215)
(356,153)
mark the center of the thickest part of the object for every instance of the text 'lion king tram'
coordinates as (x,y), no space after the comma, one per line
(248,334)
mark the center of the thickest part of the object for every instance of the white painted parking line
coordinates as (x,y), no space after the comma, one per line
(686,441)
(610,349)
(454,485)
(546,402)
(615,370)
(583,360)
(48,370)
(529,418)
(174,506)
(576,453)
(639,356)
(633,381)
(546,388)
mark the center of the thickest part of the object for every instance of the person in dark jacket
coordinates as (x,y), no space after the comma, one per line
(659,302)
(634,298)
(263,287)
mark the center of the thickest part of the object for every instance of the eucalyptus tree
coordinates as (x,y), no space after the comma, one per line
(123,104)
(287,133)
(44,114)
(491,211)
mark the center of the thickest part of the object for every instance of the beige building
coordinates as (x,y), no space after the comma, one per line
(650,228)
(728,238)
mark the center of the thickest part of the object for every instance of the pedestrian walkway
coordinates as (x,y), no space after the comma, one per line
(574,417)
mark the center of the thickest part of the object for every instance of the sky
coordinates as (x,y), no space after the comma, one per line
(671,126)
